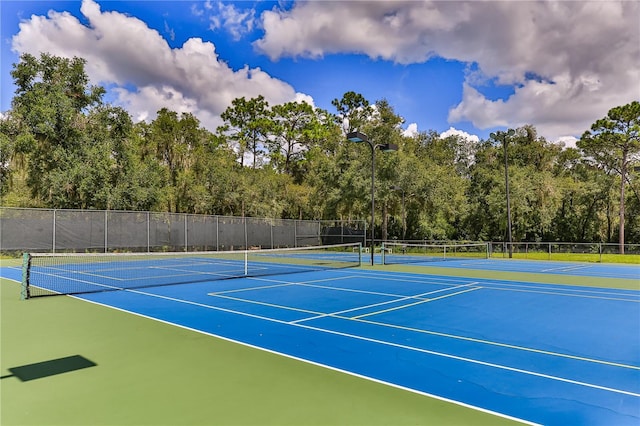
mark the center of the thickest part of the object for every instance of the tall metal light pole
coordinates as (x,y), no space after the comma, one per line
(503,137)
(358,137)
(404,218)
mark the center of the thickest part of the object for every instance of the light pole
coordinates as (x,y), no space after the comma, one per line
(404,219)
(502,136)
(358,137)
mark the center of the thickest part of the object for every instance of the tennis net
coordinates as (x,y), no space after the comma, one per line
(399,253)
(45,274)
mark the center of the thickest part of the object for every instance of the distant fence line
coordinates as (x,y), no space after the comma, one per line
(551,248)
(541,249)
(62,230)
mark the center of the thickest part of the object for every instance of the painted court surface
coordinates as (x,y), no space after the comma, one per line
(529,351)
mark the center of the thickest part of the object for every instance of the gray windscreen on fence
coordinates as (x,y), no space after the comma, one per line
(284,235)
(258,233)
(202,233)
(231,233)
(80,230)
(128,231)
(59,230)
(26,230)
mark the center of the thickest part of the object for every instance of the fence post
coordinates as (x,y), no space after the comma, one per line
(53,243)
(148,232)
(246,237)
(271,231)
(106,220)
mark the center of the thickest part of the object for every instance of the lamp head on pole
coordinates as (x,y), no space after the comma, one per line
(388,147)
(357,137)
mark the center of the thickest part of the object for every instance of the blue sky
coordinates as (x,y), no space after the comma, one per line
(469,66)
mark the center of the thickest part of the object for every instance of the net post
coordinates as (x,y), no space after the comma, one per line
(383,253)
(246,262)
(359,254)
(26,267)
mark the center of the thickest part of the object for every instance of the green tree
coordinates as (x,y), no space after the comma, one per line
(51,98)
(535,194)
(297,127)
(353,111)
(177,142)
(248,124)
(614,142)
(441,182)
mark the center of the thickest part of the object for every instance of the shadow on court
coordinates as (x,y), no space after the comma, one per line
(49,368)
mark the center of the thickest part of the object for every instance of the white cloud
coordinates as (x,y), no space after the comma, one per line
(411,130)
(567,141)
(196,11)
(170,31)
(568,61)
(189,78)
(236,22)
(459,133)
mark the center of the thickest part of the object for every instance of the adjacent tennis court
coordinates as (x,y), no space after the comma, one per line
(527,351)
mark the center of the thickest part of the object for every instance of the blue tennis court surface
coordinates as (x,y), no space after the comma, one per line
(539,353)
(586,269)
(545,267)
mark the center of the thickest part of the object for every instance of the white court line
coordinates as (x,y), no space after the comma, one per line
(238,290)
(410,348)
(280,283)
(351,373)
(487,283)
(435,333)
(377,293)
(415,303)
(271,305)
(555,293)
(359,308)
(566,268)
(497,285)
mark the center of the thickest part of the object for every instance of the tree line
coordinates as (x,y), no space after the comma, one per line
(63,146)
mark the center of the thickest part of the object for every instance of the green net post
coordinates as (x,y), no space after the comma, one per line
(383,253)
(26,267)
(359,254)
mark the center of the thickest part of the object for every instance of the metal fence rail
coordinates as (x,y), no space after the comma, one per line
(537,250)
(60,230)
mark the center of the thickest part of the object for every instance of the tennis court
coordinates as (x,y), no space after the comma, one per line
(543,267)
(475,256)
(527,351)
(532,352)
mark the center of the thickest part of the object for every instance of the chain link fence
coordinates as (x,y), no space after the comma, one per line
(56,230)
(561,250)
